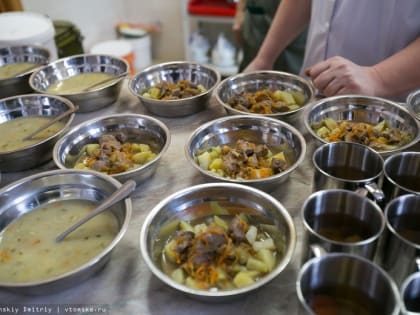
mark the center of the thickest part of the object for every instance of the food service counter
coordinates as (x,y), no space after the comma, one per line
(126,286)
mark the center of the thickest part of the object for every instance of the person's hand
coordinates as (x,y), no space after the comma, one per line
(338,76)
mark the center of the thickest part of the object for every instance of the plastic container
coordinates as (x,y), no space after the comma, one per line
(27,28)
(141,42)
(68,39)
(118,48)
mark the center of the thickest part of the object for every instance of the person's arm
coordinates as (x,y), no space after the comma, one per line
(290,20)
(391,77)
(238,21)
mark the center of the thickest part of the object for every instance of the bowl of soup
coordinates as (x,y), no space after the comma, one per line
(19,117)
(89,80)
(217,241)
(17,63)
(253,150)
(35,209)
(124,146)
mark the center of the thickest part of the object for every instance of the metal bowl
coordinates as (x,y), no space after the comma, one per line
(173,72)
(24,195)
(366,109)
(255,81)
(413,103)
(173,208)
(32,105)
(41,79)
(19,84)
(137,128)
(276,134)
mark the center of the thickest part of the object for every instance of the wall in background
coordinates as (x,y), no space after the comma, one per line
(97,19)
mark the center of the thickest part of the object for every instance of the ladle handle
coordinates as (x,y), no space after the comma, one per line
(123,192)
(52,121)
(112,79)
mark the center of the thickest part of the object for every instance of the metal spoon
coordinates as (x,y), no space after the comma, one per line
(123,192)
(113,78)
(52,122)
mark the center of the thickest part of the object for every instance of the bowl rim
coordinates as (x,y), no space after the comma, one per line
(76,128)
(70,119)
(308,111)
(65,59)
(410,102)
(265,72)
(287,258)
(251,118)
(90,263)
(177,102)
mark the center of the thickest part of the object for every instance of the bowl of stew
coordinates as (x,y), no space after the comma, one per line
(23,114)
(381,124)
(92,81)
(35,209)
(253,150)
(124,146)
(217,241)
(175,89)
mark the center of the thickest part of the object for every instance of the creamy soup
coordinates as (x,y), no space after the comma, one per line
(14,131)
(14,69)
(79,82)
(29,252)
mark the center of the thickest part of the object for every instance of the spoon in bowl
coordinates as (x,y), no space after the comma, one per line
(97,84)
(52,122)
(121,193)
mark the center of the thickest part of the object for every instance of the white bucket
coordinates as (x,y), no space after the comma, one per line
(27,28)
(141,42)
(118,48)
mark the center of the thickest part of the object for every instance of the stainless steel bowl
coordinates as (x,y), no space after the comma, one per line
(173,72)
(24,195)
(413,103)
(137,128)
(32,105)
(173,207)
(276,134)
(19,84)
(67,67)
(258,80)
(366,109)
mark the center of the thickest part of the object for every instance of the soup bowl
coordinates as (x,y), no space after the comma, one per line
(225,200)
(277,135)
(364,109)
(27,106)
(25,195)
(21,62)
(172,72)
(90,96)
(259,80)
(136,128)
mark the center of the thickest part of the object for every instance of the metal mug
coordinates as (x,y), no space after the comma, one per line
(340,283)
(340,220)
(348,165)
(401,175)
(410,295)
(399,247)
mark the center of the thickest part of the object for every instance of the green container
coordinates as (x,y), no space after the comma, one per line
(68,39)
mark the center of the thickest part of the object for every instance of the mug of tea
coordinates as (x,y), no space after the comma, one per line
(348,165)
(401,175)
(340,283)
(410,295)
(399,247)
(339,220)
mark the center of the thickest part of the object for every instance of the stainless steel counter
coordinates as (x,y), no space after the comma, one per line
(126,286)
